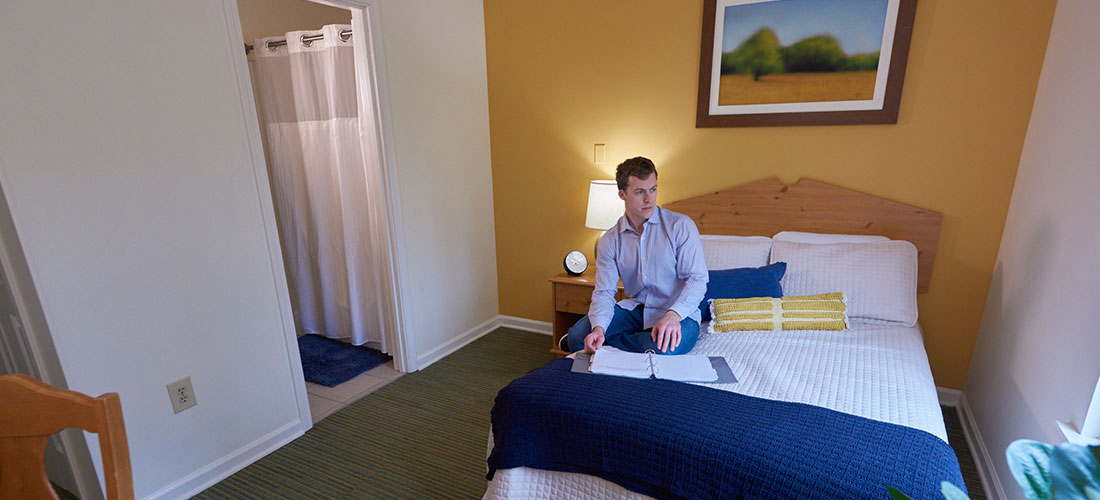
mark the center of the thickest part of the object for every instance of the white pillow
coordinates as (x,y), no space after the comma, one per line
(879,278)
(826,238)
(730,252)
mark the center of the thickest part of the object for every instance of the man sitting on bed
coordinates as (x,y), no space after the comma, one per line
(658,256)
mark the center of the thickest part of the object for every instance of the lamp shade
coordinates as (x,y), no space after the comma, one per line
(604,205)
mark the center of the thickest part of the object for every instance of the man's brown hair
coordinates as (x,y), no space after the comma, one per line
(638,166)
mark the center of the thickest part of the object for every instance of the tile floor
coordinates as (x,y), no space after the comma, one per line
(324,401)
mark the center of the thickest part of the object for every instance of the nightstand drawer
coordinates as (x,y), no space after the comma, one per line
(572,298)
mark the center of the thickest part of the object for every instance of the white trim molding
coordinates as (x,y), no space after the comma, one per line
(489,325)
(366,15)
(194,483)
(983,461)
(266,202)
(458,342)
(948,397)
(527,325)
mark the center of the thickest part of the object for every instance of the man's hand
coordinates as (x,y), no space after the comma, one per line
(594,340)
(666,333)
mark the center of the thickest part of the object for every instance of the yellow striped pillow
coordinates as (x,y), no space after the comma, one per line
(826,311)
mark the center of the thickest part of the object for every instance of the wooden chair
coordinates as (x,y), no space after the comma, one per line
(31,411)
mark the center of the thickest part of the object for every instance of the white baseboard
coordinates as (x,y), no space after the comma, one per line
(948,397)
(194,483)
(983,461)
(457,343)
(479,331)
(527,325)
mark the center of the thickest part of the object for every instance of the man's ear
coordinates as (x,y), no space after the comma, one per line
(622,195)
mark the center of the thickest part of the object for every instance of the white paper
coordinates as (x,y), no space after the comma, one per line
(612,361)
(683,368)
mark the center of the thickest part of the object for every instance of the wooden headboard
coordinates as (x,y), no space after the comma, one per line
(765,207)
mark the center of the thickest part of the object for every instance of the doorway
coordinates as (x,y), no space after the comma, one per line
(350,22)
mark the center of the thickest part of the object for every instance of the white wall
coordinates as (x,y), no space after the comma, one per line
(435,66)
(124,158)
(261,18)
(1035,360)
(27,347)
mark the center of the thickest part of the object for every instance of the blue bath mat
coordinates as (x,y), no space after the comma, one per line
(330,362)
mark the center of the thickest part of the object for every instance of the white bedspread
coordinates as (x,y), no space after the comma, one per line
(873,371)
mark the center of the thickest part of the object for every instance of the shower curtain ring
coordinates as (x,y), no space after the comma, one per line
(305,42)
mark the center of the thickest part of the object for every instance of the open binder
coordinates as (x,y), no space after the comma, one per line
(683,368)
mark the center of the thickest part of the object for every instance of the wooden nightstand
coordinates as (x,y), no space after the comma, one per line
(571,296)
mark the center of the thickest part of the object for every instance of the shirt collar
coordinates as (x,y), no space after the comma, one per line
(624,223)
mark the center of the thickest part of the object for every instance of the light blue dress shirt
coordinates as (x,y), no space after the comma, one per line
(662,268)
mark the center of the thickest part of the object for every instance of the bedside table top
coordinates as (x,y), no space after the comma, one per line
(587,278)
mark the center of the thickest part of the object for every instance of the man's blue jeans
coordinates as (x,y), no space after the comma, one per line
(625,332)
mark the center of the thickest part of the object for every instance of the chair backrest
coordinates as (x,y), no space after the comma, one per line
(31,411)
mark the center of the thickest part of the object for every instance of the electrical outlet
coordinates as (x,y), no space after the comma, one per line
(182,394)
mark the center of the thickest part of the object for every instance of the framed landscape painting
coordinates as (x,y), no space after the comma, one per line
(802,62)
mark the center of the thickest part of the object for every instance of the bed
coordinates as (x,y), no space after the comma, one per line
(874,373)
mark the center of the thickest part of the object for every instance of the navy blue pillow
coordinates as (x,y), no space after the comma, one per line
(742,283)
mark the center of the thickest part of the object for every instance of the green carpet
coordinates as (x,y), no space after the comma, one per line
(421,436)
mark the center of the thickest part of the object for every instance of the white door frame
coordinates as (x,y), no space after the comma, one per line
(370,74)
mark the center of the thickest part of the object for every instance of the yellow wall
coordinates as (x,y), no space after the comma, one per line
(565,75)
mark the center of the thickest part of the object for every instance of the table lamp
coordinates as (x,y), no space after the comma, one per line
(604,207)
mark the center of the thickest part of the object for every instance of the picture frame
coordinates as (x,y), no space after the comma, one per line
(749,78)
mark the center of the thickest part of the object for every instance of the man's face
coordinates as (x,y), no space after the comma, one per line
(640,197)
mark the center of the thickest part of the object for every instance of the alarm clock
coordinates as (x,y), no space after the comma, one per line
(575,263)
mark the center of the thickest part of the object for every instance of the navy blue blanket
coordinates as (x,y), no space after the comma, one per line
(673,440)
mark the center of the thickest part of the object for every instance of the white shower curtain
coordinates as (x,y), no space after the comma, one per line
(322,170)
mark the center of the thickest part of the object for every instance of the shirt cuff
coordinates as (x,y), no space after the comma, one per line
(685,311)
(604,323)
